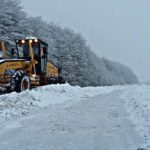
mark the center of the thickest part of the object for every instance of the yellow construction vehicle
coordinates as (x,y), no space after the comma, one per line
(28,67)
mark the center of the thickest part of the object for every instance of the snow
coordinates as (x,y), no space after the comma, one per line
(99,122)
(2,61)
(107,104)
(18,104)
(137,102)
(15,59)
(33,38)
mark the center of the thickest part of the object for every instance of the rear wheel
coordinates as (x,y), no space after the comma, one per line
(52,80)
(20,81)
(61,80)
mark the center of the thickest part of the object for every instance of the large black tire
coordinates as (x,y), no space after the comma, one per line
(61,80)
(53,80)
(20,81)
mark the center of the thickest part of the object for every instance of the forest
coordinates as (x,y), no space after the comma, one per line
(67,49)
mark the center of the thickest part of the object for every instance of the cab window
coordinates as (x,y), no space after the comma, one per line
(36,50)
(20,50)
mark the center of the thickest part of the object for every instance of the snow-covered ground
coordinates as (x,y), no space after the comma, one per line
(81,116)
(18,104)
(137,102)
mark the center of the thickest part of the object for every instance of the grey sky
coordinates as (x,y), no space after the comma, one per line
(116,29)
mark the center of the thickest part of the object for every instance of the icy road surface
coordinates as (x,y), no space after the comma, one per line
(90,120)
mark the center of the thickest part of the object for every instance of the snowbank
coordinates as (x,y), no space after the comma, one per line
(137,102)
(18,104)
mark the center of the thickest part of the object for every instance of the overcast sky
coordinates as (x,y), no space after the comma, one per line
(116,29)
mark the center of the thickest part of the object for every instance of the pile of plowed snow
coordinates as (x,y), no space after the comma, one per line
(137,102)
(18,104)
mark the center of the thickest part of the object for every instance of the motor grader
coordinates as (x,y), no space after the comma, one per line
(28,66)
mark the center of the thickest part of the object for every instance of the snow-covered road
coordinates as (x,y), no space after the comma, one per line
(98,122)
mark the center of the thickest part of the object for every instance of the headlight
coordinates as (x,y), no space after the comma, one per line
(36,40)
(23,41)
(34,75)
(30,41)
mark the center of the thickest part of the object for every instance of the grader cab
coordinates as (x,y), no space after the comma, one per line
(28,67)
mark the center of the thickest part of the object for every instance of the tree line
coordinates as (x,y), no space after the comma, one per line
(80,66)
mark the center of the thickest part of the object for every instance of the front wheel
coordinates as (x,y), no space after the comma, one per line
(25,83)
(20,82)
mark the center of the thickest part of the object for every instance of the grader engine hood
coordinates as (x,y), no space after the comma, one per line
(11,64)
(8,67)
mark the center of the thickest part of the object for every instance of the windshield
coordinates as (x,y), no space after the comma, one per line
(24,50)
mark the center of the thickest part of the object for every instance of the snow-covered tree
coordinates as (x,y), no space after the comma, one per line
(67,49)
(11,15)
